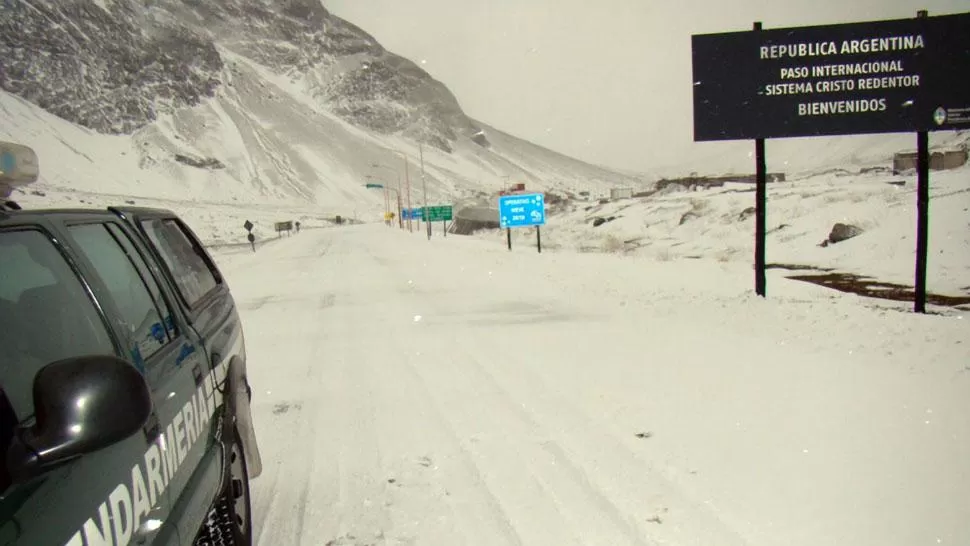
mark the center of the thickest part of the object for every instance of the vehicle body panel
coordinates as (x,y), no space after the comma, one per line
(177,464)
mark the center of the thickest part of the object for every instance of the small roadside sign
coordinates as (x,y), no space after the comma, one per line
(248,225)
(412,214)
(521,210)
(439,213)
(283,226)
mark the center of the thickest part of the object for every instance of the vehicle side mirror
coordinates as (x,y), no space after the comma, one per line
(81,405)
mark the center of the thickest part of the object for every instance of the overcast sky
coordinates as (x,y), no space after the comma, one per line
(606,81)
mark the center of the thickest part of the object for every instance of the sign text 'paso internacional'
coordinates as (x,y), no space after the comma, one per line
(878,77)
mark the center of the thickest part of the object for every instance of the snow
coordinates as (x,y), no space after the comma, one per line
(622,387)
(451,392)
(279,147)
(800,215)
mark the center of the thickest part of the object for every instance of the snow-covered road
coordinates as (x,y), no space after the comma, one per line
(449,392)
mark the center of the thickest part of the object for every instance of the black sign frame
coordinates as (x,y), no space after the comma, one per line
(932,103)
(741,91)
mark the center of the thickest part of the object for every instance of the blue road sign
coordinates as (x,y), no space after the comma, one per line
(412,214)
(521,210)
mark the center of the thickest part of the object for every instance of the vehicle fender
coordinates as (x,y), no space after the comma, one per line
(239,414)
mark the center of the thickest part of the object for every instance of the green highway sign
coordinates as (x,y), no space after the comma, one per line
(438,213)
(373,186)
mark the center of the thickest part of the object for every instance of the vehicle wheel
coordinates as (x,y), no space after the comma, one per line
(239,493)
(230,520)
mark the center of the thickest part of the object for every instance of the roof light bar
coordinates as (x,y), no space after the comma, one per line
(19,166)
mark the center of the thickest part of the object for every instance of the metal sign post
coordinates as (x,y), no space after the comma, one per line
(250,237)
(522,210)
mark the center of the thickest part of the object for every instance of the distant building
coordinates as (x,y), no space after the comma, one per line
(940,160)
(700,182)
(620,193)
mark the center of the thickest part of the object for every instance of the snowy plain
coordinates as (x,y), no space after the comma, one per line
(622,387)
(451,392)
(718,223)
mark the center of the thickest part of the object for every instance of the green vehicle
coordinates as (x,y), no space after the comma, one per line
(124,400)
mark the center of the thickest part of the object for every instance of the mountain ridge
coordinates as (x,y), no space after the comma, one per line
(301,108)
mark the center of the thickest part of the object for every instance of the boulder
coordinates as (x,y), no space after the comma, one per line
(840,232)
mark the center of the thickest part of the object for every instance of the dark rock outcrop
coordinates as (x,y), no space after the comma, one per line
(115,71)
(111,72)
(841,232)
(200,162)
(746,213)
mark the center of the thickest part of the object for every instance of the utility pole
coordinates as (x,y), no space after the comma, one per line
(398,175)
(424,183)
(407,181)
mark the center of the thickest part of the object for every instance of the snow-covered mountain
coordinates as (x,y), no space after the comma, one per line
(268,100)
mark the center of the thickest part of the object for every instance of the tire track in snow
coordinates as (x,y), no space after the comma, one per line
(286,496)
(287,375)
(361,476)
(576,488)
(500,518)
(558,413)
(308,434)
(533,472)
(566,469)
(507,484)
(415,420)
(554,414)
(347,500)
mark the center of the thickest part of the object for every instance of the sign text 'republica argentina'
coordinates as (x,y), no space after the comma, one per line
(878,77)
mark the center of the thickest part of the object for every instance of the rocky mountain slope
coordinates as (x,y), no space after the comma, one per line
(114,66)
(269,99)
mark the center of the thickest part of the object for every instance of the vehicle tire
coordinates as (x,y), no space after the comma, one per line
(229,522)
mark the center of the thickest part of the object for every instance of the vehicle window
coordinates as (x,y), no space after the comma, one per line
(184,258)
(45,314)
(141,318)
(143,270)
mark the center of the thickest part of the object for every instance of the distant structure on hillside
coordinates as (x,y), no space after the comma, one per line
(715,181)
(620,193)
(940,160)
(518,187)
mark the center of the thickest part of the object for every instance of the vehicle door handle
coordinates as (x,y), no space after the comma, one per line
(197,373)
(152,428)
